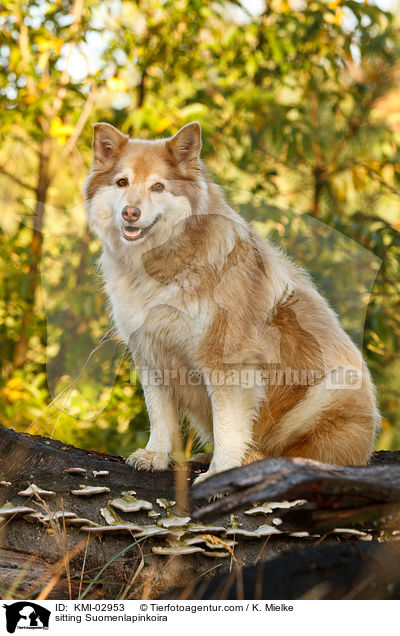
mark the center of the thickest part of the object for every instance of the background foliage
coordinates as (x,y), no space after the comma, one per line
(299,104)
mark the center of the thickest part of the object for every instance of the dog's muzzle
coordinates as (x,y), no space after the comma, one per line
(132,232)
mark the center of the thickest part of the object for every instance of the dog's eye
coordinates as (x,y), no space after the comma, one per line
(122,183)
(157,187)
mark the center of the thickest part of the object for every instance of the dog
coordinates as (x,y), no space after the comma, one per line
(204,303)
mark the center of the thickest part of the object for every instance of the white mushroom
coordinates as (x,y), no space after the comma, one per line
(34,516)
(75,470)
(173,521)
(36,490)
(117,528)
(268,507)
(194,540)
(80,522)
(129,503)
(10,510)
(198,527)
(153,531)
(228,543)
(261,531)
(177,549)
(58,514)
(89,491)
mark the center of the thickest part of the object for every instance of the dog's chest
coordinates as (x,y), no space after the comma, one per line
(134,301)
(154,319)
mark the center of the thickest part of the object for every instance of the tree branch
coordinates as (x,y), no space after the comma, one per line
(69,146)
(21,183)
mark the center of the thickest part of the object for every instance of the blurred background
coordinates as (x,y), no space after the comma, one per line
(300,108)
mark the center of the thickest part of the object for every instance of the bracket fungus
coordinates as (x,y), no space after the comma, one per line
(260,531)
(36,490)
(100,473)
(128,503)
(89,491)
(268,507)
(10,510)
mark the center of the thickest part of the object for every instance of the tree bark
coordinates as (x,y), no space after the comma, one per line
(77,553)
(327,486)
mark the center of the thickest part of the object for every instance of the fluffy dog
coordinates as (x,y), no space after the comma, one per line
(223,327)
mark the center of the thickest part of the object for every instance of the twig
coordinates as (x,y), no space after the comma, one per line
(103,340)
(66,551)
(83,566)
(17,180)
(134,577)
(69,146)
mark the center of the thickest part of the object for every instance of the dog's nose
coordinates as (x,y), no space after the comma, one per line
(130,213)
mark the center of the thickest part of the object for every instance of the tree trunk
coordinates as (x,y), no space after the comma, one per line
(35,248)
(318,169)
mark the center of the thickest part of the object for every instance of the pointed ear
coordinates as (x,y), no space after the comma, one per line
(107,140)
(185,145)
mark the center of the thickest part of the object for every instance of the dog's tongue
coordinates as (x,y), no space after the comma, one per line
(130,231)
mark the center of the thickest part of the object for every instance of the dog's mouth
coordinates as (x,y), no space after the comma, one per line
(133,233)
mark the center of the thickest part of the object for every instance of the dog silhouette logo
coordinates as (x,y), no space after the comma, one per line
(26,615)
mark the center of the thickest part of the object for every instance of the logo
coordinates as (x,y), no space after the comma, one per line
(26,615)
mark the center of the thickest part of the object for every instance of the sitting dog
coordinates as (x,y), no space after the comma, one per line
(223,327)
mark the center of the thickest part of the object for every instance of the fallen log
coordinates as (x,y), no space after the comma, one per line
(353,570)
(94,527)
(274,479)
(81,524)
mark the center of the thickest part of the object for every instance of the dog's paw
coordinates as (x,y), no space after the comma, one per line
(203,477)
(144,459)
(209,473)
(217,496)
(214,470)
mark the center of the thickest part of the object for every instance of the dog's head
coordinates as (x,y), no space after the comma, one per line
(139,189)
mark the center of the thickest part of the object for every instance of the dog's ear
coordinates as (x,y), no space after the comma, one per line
(107,140)
(185,145)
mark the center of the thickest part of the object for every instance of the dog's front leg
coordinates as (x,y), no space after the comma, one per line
(232,428)
(164,426)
